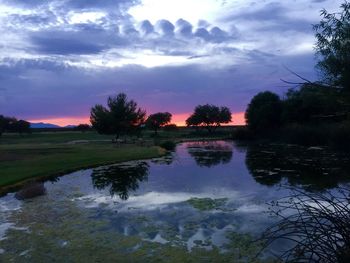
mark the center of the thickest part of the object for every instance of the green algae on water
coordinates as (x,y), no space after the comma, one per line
(207,204)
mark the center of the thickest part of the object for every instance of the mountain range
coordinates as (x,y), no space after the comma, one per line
(42,125)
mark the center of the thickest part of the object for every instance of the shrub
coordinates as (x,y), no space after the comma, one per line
(168,145)
(242,133)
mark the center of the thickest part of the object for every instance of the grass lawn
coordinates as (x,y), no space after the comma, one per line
(48,154)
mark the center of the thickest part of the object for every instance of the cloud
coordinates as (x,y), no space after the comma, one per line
(60,57)
(165,27)
(184,28)
(146,27)
(65,45)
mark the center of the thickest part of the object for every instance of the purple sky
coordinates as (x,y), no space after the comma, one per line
(60,57)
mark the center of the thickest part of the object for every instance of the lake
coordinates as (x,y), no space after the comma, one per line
(205,202)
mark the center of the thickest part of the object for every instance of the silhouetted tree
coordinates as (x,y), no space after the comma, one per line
(333,46)
(83,127)
(158,120)
(11,124)
(311,103)
(264,111)
(121,116)
(209,116)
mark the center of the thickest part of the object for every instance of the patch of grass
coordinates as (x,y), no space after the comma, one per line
(27,157)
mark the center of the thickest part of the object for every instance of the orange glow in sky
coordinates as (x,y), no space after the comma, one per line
(64,121)
(178,119)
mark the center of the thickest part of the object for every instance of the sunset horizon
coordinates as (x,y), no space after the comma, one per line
(178,119)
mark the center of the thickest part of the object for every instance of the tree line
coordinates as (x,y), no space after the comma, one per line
(318,111)
(11,124)
(123,116)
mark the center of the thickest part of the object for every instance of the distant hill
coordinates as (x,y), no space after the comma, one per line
(70,126)
(41,125)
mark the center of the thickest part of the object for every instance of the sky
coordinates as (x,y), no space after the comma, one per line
(58,58)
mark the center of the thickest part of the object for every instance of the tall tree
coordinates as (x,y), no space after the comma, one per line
(209,116)
(333,46)
(121,116)
(264,111)
(158,120)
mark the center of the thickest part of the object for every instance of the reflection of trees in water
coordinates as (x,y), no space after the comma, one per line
(317,226)
(209,154)
(121,179)
(313,168)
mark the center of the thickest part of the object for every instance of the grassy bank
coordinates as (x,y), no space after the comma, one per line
(48,154)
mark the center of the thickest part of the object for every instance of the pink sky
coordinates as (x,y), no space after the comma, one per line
(178,119)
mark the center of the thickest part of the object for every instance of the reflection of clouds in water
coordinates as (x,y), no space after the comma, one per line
(156,200)
(8,204)
(3,228)
(148,201)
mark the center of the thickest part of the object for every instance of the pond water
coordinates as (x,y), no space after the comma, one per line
(205,202)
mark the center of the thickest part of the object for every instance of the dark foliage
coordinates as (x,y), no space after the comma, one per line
(168,145)
(83,127)
(313,103)
(209,116)
(170,127)
(158,120)
(264,112)
(121,116)
(333,46)
(11,124)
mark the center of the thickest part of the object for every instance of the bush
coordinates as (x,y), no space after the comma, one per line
(242,133)
(168,145)
(170,127)
(306,135)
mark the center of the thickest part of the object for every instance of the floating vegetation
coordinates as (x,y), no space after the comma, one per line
(207,204)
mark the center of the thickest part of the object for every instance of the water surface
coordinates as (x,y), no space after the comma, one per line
(207,201)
